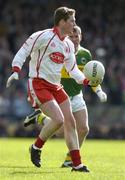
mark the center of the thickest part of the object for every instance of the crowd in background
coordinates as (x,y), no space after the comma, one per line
(103,28)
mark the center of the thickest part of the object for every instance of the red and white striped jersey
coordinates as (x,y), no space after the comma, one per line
(48,55)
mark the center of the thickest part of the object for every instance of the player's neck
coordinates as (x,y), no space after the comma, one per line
(61,34)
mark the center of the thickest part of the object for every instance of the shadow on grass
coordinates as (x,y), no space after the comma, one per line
(10,166)
(15,170)
(35,171)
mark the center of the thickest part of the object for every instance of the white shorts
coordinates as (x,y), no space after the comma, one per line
(77,102)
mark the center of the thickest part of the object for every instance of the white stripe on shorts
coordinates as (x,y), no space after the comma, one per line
(33,94)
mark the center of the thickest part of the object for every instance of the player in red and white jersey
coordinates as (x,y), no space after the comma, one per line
(50,50)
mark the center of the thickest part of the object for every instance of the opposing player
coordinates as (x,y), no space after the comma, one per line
(50,49)
(74,90)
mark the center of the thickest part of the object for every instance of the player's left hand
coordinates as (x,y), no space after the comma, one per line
(102,96)
(13,76)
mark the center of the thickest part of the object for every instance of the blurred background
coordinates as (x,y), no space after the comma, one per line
(103,27)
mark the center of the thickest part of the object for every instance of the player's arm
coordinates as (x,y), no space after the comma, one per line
(30,45)
(100,93)
(72,68)
(74,72)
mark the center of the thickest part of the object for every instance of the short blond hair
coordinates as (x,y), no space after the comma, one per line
(62,13)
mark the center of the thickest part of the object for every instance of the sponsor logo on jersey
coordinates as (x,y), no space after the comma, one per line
(57,57)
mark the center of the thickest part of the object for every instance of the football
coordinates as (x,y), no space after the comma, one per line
(94,71)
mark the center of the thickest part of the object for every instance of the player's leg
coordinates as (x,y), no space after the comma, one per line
(52,109)
(60,132)
(71,137)
(81,117)
(41,95)
(70,132)
(69,126)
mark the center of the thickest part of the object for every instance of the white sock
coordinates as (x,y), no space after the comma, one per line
(34,147)
(79,166)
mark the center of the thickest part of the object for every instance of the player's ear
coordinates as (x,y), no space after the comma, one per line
(62,22)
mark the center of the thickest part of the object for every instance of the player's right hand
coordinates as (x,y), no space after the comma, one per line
(86,82)
(13,76)
(90,83)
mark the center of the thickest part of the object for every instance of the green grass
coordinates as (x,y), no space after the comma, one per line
(106,160)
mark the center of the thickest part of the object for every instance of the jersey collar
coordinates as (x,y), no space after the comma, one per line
(56,31)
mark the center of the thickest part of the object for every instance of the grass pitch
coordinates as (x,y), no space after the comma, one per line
(105,159)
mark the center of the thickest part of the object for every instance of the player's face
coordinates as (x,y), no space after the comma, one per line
(75,37)
(69,24)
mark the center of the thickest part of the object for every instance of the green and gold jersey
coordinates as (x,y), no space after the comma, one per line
(70,85)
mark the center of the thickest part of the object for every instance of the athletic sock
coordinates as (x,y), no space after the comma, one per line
(79,166)
(76,158)
(39,143)
(40,119)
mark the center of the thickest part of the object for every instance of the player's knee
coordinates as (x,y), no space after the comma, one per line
(60,132)
(59,121)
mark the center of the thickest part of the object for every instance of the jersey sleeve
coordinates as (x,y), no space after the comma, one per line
(72,68)
(97,88)
(77,74)
(30,45)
